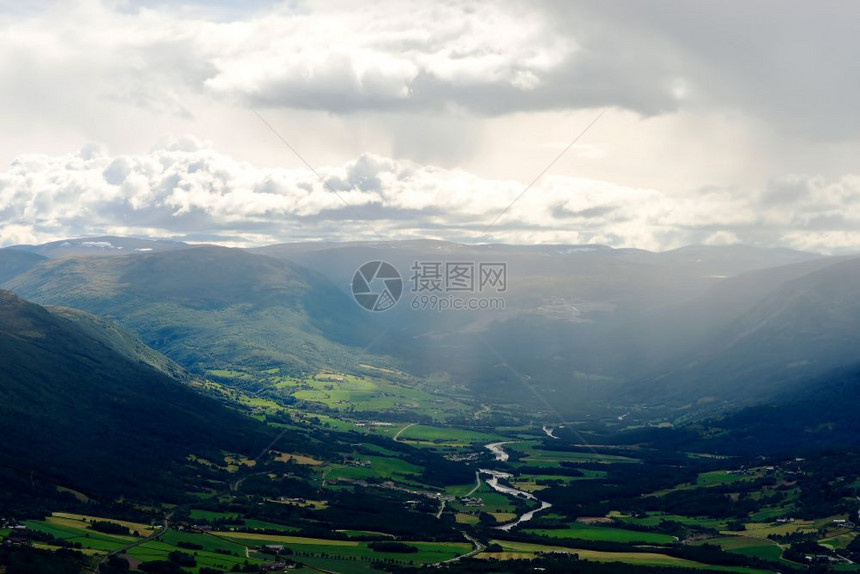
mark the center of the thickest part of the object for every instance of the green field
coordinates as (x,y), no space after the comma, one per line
(71,528)
(207,515)
(637,558)
(380,467)
(428,552)
(713,478)
(655,518)
(534,456)
(747,546)
(447,435)
(604,534)
(357,394)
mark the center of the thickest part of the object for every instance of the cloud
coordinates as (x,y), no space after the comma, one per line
(784,64)
(390,54)
(184,189)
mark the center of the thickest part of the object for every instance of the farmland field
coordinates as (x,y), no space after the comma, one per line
(601,533)
(643,558)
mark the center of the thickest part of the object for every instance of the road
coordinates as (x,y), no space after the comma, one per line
(164,528)
(397,436)
(234,486)
(477,484)
(478,548)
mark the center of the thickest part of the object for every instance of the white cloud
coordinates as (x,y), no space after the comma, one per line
(186,190)
(337,56)
(343,56)
(698,97)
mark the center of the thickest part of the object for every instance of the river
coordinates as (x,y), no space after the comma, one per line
(498,451)
(493,481)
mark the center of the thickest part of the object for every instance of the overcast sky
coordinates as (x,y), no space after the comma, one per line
(723,122)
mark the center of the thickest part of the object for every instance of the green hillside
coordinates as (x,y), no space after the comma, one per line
(210,307)
(74,409)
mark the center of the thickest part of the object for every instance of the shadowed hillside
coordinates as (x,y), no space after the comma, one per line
(73,408)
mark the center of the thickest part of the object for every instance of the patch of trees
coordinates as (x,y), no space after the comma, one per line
(568,563)
(798,552)
(25,560)
(107,527)
(161,567)
(713,502)
(706,553)
(437,470)
(826,483)
(394,547)
(670,527)
(115,565)
(262,485)
(182,558)
(382,510)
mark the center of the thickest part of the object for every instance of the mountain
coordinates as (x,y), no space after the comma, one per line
(819,413)
(77,410)
(729,260)
(208,307)
(121,342)
(14,262)
(578,320)
(779,328)
(99,247)
(579,326)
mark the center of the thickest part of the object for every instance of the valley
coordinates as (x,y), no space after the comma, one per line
(197,421)
(367,490)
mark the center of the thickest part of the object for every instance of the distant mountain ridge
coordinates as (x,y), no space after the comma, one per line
(100,246)
(707,326)
(206,306)
(804,325)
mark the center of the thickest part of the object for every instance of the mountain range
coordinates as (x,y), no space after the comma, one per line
(700,329)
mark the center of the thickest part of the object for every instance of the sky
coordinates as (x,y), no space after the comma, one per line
(255,122)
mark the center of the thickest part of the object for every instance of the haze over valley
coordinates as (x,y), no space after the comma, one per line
(412,287)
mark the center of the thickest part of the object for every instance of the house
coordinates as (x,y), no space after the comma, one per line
(276,566)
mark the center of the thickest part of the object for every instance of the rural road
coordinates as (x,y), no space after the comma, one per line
(477,484)
(164,528)
(479,547)
(397,436)
(234,486)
